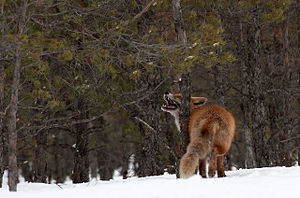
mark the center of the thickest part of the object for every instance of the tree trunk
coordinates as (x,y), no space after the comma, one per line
(256,91)
(220,84)
(171,142)
(40,161)
(249,155)
(1,124)
(298,66)
(150,132)
(184,114)
(13,109)
(125,154)
(104,160)
(280,102)
(12,125)
(245,81)
(2,113)
(149,156)
(184,83)
(285,143)
(81,161)
(179,22)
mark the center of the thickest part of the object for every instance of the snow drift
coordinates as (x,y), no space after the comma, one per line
(276,182)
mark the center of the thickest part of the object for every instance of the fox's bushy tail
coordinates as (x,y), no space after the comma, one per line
(197,149)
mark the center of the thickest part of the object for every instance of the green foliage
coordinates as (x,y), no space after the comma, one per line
(270,11)
(66,55)
(41,94)
(135,75)
(55,44)
(206,43)
(100,57)
(192,19)
(56,105)
(129,61)
(57,82)
(227,58)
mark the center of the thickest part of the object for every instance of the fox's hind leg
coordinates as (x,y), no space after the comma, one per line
(220,165)
(212,163)
(202,168)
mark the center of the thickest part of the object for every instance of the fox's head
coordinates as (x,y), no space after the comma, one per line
(173,102)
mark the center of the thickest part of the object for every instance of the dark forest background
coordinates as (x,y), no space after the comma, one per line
(81,83)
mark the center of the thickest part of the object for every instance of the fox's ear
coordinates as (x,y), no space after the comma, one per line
(198,101)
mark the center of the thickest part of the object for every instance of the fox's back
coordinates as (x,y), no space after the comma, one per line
(216,121)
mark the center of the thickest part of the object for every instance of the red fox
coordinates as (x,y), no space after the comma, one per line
(211,130)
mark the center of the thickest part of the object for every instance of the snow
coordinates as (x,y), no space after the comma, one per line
(216,44)
(276,182)
(188,58)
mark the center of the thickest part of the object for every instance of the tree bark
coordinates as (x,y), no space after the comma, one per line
(12,125)
(59,168)
(184,114)
(245,102)
(179,22)
(256,90)
(104,160)
(2,109)
(1,124)
(13,109)
(249,155)
(220,84)
(149,156)
(286,133)
(172,146)
(81,160)
(280,102)
(298,66)
(184,83)
(40,161)
(150,132)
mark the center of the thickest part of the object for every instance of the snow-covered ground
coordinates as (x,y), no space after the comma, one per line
(274,182)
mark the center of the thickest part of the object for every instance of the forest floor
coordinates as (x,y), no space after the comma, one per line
(276,182)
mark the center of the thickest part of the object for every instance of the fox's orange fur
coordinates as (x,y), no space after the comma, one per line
(211,130)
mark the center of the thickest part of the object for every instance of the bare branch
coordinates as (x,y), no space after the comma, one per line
(145,123)
(125,23)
